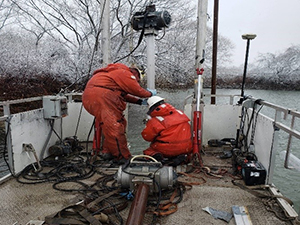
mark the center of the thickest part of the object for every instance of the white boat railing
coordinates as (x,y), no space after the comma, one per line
(286,115)
(284,119)
(6,104)
(281,114)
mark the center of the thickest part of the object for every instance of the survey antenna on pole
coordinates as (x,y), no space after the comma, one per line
(247,37)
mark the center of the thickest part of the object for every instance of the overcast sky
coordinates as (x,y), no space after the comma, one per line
(275,22)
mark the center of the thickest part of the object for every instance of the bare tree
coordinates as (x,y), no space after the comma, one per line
(75,26)
(6,13)
(74,23)
(281,66)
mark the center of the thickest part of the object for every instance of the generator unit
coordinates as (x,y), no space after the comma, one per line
(150,19)
(151,173)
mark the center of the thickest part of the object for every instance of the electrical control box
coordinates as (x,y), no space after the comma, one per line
(55,107)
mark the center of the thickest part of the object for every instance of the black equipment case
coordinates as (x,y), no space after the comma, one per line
(254,173)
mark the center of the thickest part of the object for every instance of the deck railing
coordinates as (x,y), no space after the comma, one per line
(6,104)
(281,114)
(284,119)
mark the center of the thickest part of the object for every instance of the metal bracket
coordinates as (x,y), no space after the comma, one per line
(29,148)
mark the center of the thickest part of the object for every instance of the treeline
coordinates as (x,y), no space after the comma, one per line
(255,83)
(47,45)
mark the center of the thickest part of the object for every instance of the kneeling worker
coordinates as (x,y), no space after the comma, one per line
(168,130)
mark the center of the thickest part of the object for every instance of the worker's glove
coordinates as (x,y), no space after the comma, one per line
(142,101)
(153,91)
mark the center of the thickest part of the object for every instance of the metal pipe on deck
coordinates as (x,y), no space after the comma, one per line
(138,206)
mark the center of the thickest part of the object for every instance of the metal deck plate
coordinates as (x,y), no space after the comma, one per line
(21,203)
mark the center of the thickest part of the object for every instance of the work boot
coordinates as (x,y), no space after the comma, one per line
(106,156)
(178,160)
(158,156)
(122,161)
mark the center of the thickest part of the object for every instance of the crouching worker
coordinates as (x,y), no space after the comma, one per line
(105,97)
(169,132)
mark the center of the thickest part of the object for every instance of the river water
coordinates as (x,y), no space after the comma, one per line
(288,181)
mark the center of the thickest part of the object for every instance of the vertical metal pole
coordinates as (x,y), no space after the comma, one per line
(200,57)
(288,148)
(106,33)
(245,67)
(215,50)
(150,37)
(274,149)
(200,44)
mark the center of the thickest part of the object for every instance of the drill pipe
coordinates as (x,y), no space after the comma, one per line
(138,206)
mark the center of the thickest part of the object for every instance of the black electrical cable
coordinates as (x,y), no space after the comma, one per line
(86,188)
(159,198)
(254,124)
(60,172)
(5,150)
(87,141)
(120,156)
(79,116)
(117,213)
(52,128)
(102,183)
(31,177)
(105,208)
(244,115)
(114,206)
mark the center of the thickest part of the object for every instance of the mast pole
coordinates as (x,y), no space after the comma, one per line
(200,44)
(106,59)
(200,57)
(215,51)
(150,37)
(106,33)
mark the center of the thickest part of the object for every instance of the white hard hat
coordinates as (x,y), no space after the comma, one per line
(153,100)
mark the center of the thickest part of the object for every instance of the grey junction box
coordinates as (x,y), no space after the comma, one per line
(55,106)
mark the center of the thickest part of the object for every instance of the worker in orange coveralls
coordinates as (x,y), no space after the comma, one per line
(168,130)
(105,97)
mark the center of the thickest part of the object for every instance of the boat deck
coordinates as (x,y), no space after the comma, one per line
(23,203)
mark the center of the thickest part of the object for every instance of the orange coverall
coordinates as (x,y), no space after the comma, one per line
(105,97)
(169,132)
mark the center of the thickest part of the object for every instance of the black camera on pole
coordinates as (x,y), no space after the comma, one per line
(150,19)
